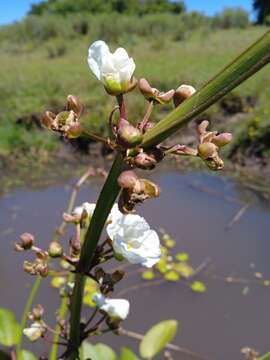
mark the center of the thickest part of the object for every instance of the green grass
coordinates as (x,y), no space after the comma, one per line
(38,75)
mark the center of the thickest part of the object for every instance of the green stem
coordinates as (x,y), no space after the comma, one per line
(105,202)
(244,66)
(27,309)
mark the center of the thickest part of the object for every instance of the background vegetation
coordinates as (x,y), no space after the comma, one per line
(43,58)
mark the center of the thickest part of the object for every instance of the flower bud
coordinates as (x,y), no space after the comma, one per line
(37,313)
(73,103)
(48,119)
(222,139)
(64,118)
(145,161)
(182,93)
(145,88)
(215,163)
(55,249)
(202,127)
(27,240)
(207,150)
(127,179)
(42,270)
(117,276)
(150,189)
(164,98)
(128,136)
(74,131)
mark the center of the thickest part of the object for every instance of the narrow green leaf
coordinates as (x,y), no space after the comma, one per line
(265,356)
(9,328)
(127,354)
(96,352)
(157,338)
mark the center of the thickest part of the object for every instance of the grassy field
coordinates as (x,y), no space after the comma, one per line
(39,74)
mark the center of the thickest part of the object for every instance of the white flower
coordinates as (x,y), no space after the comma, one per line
(115,308)
(86,207)
(133,239)
(114,70)
(34,332)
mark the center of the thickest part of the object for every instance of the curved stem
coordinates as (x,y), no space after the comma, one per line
(27,309)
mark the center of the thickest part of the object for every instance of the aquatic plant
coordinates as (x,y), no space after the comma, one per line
(129,237)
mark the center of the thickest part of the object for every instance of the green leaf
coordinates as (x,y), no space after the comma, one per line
(148,275)
(27,355)
(9,328)
(96,352)
(198,286)
(172,276)
(182,257)
(127,354)
(157,338)
(265,356)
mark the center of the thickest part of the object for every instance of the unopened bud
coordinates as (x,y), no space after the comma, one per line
(73,103)
(48,119)
(127,179)
(74,131)
(207,150)
(128,135)
(117,276)
(222,139)
(37,313)
(145,161)
(27,241)
(215,163)
(43,270)
(55,249)
(150,189)
(164,98)
(202,127)
(75,247)
(145,88)
(182,93)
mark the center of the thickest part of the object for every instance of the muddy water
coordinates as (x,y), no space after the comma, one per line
(196,209)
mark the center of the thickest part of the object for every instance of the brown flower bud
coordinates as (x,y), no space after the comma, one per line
(164,98)
(207,150)
(55,249)
(128,136)
(48,119)
(182,93)
(43,270)
(145,88)
(202,127)
(117,276)
(74,131)
(27,240)
(145,161)
(37,313)
(73,103)
(222,139)
(215,163)
(127,179)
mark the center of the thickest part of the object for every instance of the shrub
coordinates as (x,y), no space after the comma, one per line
(231,18)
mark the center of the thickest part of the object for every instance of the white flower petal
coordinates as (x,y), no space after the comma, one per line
(133,239)
(97,51)
(34,332)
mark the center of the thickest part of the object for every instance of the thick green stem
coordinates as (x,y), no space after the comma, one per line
(27,309)
(105,202)
(244,66)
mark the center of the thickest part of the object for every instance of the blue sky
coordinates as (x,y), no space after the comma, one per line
(12,10)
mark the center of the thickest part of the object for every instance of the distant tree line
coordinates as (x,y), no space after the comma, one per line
(139,7)
(262,8)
